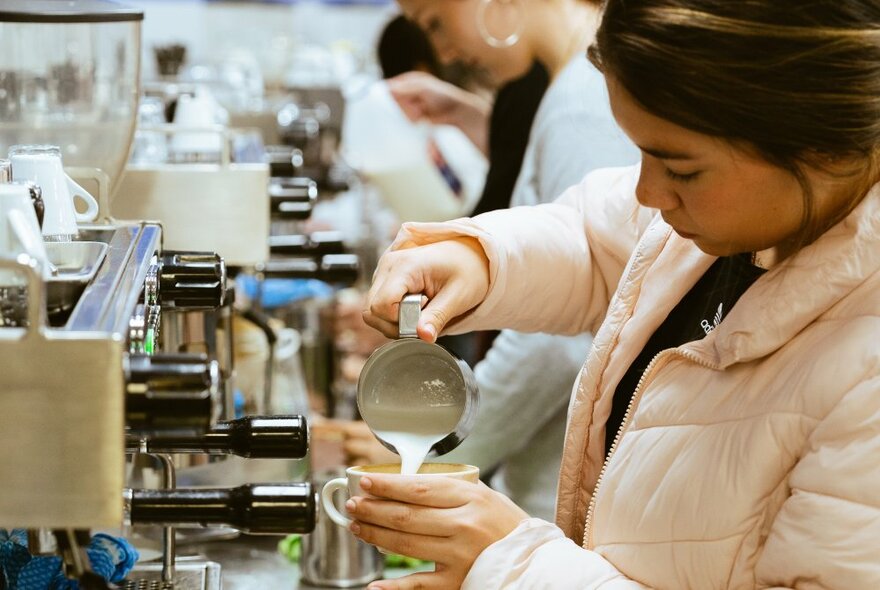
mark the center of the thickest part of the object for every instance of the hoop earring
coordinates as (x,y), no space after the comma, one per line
(490,39)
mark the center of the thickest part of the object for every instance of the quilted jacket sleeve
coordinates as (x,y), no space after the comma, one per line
(554,267)
(514,382)
(537,556)
(827,534)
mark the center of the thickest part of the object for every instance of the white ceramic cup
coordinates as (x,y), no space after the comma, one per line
(197,111)
(352,482)
(41,164)
(19,230)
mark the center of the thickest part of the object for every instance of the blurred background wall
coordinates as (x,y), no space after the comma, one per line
(270,30)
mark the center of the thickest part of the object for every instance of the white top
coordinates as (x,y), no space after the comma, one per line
(525,381)
(573,134)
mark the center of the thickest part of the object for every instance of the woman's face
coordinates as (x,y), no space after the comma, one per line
(723,198)
(451,25)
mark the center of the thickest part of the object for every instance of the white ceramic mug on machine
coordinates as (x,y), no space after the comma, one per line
(19,230)
(41,164)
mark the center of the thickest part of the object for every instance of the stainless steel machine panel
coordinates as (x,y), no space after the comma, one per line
(61,429)
(62,402)
(190,575)
(214,208)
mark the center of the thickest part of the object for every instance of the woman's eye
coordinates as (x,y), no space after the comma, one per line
(681,177)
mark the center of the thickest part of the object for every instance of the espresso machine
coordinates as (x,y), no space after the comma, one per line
(92,370)
(253,204)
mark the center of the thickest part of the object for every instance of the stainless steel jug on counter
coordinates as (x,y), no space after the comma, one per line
(332,556)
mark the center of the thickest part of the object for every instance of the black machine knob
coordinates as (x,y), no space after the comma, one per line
(332,268)
(192,280)
(284,160)
(256,509)
(292,211)
(299,188)
(292,198)
(171,393)
(317,243)
(252,437)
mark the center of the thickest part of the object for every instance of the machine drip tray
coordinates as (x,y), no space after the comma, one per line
(188,575)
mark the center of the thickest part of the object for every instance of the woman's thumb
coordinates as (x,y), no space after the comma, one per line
(438,312)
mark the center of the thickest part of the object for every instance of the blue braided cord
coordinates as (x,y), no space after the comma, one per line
(14,556)
(110,558)
(39,573)
(116,557)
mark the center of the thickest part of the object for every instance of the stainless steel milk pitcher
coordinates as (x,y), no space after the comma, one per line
(417,378)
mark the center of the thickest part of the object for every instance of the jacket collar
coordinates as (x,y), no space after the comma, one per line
(796,292)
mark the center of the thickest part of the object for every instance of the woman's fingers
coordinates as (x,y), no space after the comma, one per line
(419,581)
(423,96)
(407,518)
(394,279)
(383,301)
(432,491)
(453,274)
(436,314)
(409,544)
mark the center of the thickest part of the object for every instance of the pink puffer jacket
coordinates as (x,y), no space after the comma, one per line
(749,459)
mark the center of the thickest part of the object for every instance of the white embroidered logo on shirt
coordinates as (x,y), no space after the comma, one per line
(707,327)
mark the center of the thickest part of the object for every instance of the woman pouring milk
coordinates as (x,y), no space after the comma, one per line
(725,429)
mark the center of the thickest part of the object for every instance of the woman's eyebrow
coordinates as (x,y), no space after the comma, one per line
(667,154)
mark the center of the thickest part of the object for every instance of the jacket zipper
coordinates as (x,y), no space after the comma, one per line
(633,402)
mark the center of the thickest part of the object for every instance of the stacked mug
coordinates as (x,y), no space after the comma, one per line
(42,165)
(36,205)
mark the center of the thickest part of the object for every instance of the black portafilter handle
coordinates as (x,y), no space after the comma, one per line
(292,199)
(171,392)
(252,437)
(292,211)
(316,243)
(297,188)
(255,509)
(332,268)
(192,280)
(284,160)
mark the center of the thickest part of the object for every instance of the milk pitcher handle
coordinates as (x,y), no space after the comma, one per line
(76,191)
(330,488)
(408,316)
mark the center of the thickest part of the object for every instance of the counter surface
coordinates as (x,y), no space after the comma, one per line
(254,563)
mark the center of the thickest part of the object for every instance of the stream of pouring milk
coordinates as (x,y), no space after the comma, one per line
(415,408)
(412,448)
(413,431)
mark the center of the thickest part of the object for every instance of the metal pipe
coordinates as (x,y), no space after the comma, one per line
(169,542)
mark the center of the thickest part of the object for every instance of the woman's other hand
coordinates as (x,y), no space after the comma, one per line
(439,519)
(352,335)
(360,445)
(453,274)
(423,97)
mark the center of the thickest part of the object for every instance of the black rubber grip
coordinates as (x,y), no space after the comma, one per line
(257,509)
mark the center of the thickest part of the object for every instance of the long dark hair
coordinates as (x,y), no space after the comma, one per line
(798,81)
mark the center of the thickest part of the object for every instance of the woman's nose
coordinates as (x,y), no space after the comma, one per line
(446,54)
(654,189)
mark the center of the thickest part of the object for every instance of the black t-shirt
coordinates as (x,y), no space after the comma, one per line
(509,126)
(697,314)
